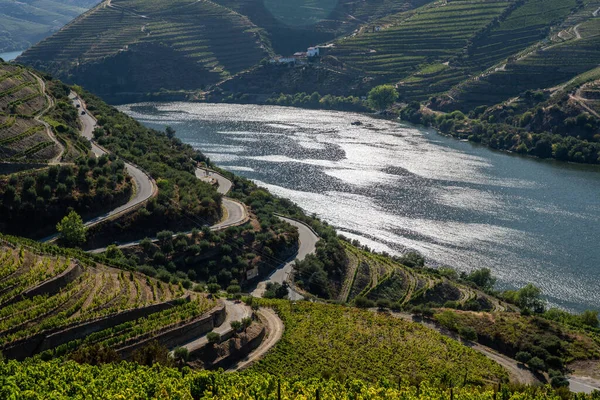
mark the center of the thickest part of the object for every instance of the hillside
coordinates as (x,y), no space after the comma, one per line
(131,48)
(24,135)
(52,304)
(295,25)
(335,341)
(24,23)
(113,380)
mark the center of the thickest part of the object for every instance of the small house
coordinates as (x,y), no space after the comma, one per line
(312,52)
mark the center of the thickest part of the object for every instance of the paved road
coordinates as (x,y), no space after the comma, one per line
(144,185)
(236,211)
(275,329)
(224,184)
(308,241)
(581,384)
(235,312)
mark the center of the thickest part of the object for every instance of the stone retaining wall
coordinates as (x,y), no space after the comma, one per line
(181,334)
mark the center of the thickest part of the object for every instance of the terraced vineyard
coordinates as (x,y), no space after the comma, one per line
(22,136)
(432,34)
(25,23)
(545,67)
(296,24)
(323,340)
(71,380)
(56,304)
(197,43)
(377,277)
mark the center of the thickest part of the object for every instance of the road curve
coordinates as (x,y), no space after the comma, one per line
(275,329)
(236,211)
(145,187)
(235,312)
(582,384)
(308,241)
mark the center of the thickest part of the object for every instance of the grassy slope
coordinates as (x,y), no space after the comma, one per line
(546,65)
(22,138)
(294,25)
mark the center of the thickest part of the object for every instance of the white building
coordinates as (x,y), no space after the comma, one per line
(312,52)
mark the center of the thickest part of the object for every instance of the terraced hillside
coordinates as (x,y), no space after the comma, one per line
(57,304)
(23,23)
(294,25)
(24,136)
(378,277)
(129,46)
(563,56)
(323,341)
(431,35)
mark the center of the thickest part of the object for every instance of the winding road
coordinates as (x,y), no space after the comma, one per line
(308,241)
(275,329)
(235,312)
(145,186)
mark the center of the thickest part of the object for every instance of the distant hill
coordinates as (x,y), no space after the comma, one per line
(129,47)
(24,23)
(126,49)
(463,53)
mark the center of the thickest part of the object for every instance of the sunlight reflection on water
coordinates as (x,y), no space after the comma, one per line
(395,186)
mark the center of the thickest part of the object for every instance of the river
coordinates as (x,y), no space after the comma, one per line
(395,186)
(11,55)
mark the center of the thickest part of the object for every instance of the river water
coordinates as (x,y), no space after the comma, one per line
(11,55)
(395,186)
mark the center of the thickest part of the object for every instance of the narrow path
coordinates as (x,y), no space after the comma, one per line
(145,187)
(581,102)
(308,241)
(275,328)
(38,118)
(596,13)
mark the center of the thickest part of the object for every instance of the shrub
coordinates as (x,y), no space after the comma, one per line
(523,356)
(363,302)
(467,333)
(383,304)
(213,338)
(537,363)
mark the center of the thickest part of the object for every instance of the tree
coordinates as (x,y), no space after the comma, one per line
(181,355)
(523,356)
(537,363)
(246,322)
(213,288)
(383,304)
(153,353)
(482,278)
(170,132)
(71,229)
(213,338)
(589,318)
(383,96)
(236,326)
(530,298)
